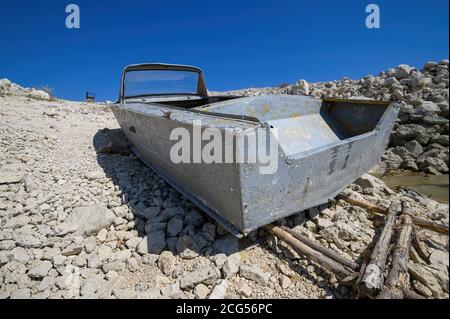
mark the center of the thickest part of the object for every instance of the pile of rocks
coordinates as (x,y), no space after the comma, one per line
(77,221)
(9,88)
(420,139)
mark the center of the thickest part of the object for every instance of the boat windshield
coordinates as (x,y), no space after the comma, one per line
(160,82)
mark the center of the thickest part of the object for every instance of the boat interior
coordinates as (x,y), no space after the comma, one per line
(303,123)
(197,102)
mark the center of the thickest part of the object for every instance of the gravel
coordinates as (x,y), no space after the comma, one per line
(80,221)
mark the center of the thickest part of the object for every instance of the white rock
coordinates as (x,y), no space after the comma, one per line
(255,274)
(166,263)
(58,260)
(17,222)
(220,290)
(10,177)
(20,254)
(324,222)
(244,290)
(23,293)
(124,293)
(101,236)
(439,257)
(231,266)
(152,293)
(285,282)
(89,220)
(201,291)
(402,71)
(206,275)
(40,270)
(39,95)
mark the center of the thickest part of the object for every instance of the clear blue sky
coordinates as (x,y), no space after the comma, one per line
(237,43)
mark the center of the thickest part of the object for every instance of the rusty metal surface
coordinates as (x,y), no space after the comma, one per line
(323,146)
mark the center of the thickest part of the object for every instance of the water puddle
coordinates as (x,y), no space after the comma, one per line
(434,186)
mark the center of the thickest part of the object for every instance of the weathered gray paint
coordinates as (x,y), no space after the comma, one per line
(324,145)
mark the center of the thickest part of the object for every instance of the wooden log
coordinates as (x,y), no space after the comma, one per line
(372,208)
(308,252)
(326,251)
(438,228)
(420,248)
(398,279)
(373,278)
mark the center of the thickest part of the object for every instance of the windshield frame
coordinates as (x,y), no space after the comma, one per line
(151,83)
(201,87)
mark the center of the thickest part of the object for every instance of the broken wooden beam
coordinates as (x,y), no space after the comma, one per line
(420,248)
(373,277)
(308,252)
(397,281)
(326,251)
(372,208)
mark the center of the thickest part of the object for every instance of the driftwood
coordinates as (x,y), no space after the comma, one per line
(420,248)
(373,277)
(325,251)
(372,208)
(397,281)
(312,254)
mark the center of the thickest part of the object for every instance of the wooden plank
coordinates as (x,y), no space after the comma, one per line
(309,252)
(398,280)
(373,278)
(326,251)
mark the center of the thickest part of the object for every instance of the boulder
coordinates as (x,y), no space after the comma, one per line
(434,119)
(369,181)
(402,71)
(87,220)
(390,160)
(167,263)
(153,243)
(408,132)
(10,177)
(426,277)
(414,148)
(428,107)
(40,270)
(254,273)
(206,275)
(174,226)
(220,290)
(39,95)
(435,163)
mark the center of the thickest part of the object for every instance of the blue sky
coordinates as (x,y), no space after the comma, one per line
(238,44)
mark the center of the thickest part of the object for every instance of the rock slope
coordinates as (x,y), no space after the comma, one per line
(80,221)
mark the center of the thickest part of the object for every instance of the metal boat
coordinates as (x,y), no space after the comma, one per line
(323,145)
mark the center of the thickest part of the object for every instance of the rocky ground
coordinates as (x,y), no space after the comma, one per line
(77,221)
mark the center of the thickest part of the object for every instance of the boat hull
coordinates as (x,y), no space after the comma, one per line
(311,168)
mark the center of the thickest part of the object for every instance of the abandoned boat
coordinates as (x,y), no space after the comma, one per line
(322,145)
